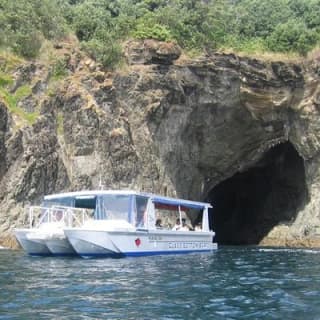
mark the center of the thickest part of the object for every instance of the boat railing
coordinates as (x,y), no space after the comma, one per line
(68,216)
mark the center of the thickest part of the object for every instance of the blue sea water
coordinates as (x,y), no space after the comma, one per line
(232,283)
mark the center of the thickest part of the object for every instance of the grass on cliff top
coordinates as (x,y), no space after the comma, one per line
(272,56)
(255,48)
(314,55)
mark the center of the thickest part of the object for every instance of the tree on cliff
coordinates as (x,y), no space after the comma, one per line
(102,25)
(25,24)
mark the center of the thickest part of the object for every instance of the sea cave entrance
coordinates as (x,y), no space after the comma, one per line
(249,204)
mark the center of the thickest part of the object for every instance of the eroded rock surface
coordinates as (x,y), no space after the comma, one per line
(203,129)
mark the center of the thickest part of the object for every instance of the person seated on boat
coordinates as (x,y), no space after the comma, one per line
(184,226)
(159,224)
(177,225)
(198,227)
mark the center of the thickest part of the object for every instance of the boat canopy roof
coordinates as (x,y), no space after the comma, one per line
(159,201)
(88,193)
(171,203)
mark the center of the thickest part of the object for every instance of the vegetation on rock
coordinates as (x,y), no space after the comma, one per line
(289,26)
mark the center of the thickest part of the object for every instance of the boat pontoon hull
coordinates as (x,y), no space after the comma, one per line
(99,243)
(29,241)
(45,234)
(60,247)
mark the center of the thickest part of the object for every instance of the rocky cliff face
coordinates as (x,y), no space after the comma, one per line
(238,132)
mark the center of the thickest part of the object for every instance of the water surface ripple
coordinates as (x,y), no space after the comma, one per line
(232,283)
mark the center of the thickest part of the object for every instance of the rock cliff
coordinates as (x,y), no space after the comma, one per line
(241,133)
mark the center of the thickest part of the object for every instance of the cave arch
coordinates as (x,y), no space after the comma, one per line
(249,204)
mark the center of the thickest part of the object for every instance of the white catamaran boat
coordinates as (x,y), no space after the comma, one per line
(44,234)
(129,223)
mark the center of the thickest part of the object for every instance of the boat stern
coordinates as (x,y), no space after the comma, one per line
(30,243)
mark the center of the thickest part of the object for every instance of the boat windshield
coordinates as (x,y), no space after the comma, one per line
(84,204)
(59,202)
(113,206)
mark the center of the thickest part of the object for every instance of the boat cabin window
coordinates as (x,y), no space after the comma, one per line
(46,216)
(88,203)
(173,218)
(141,211)
(85,202)
(113,206)
(58,202)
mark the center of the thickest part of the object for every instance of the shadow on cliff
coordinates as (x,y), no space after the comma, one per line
(249,204)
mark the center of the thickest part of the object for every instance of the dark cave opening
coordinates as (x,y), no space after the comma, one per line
(249,204)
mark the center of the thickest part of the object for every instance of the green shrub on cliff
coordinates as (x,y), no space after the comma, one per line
(156,31)
(108,53)
(25,23)
(89,18)
(292,36)
(102,25)
(259,18)
(27,43)
(59,69)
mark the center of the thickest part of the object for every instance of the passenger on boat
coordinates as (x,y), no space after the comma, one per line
(183,227)
(177,225)
(198,227)
(159,224)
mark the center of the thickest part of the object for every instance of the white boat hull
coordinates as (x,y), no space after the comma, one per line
(60,247)
(30,243)
(49,240)
(100,243)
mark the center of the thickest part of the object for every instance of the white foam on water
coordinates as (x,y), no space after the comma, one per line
(315,251)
